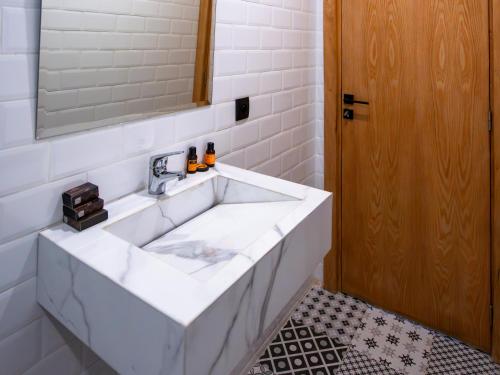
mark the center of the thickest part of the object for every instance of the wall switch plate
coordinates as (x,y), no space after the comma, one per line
(242,108)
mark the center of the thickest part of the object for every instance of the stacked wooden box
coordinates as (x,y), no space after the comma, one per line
(82,207)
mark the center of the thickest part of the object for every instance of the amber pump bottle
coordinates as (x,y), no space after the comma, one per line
(192,161)
(210,156)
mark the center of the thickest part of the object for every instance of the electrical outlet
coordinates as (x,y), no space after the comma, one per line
(242,108)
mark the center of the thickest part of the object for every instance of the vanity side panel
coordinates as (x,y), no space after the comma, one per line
(129,335)
(224,334)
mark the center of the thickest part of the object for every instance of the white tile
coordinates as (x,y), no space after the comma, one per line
(282,18)
(246,85)
(302,133)
(20,29)
(270,126)
(194,123)
(43,204)
(225,116)
(246,37)
(282,102)
(222,89)
(81,152)
(60,60)
(291,119)
(164,131)
(257,154)
(292,39)
(292,79)
(61,20)
(281,143)
(18,307)
(282,60)
(18,261)
(260,106)
(229,63)
(223,37)
(245,135)
(259,61)
(300,96)
(18,76)
(138,138)
(290,159)
(308,149)
(270,168)
(320,181)
(259,15)
(222,142)
(236,159)
(23,167)
(120,179)
(21,350)
(271,39)
(17,122)
(270,82)
(231,11)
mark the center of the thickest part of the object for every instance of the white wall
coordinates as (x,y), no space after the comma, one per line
(268,49)
(102,63)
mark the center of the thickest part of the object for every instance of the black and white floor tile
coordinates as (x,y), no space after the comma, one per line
(451,357)
(337,315)
(394,342)
(355,363)
(299,350)
(259,369)
(335,334)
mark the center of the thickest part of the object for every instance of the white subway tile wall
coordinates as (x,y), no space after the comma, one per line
(268,49)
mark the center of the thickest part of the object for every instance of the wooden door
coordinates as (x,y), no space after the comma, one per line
(416,161)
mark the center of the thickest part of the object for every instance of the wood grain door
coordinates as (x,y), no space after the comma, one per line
(416,161)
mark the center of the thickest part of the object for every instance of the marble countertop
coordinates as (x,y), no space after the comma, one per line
(166,288)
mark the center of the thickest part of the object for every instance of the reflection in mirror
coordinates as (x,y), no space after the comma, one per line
(105,62)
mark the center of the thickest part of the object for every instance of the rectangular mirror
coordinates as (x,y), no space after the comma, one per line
(106,62)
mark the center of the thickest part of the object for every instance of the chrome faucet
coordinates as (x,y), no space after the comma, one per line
(159,175)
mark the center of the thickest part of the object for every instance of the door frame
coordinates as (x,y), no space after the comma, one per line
(332,30)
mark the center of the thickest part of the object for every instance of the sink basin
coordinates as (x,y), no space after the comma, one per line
(200,239)
(189,282)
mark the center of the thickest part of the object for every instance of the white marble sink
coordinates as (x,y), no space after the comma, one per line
(189,282)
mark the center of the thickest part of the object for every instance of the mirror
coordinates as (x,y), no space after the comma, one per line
(106,62)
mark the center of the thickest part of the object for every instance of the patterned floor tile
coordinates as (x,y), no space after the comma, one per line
(451,357)
(259,369)
(355,363)
(299,350)
(380,344)
(393,341)
(337,315)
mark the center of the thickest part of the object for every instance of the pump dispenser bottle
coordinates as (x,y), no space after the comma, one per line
(210,156)
(192,161)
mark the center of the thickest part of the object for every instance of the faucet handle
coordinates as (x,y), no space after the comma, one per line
(158,163)
(172,153)
(162,159)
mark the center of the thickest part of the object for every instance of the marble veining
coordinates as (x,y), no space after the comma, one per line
(212,239)
(187,282)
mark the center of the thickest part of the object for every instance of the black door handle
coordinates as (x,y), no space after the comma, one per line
(349,100)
